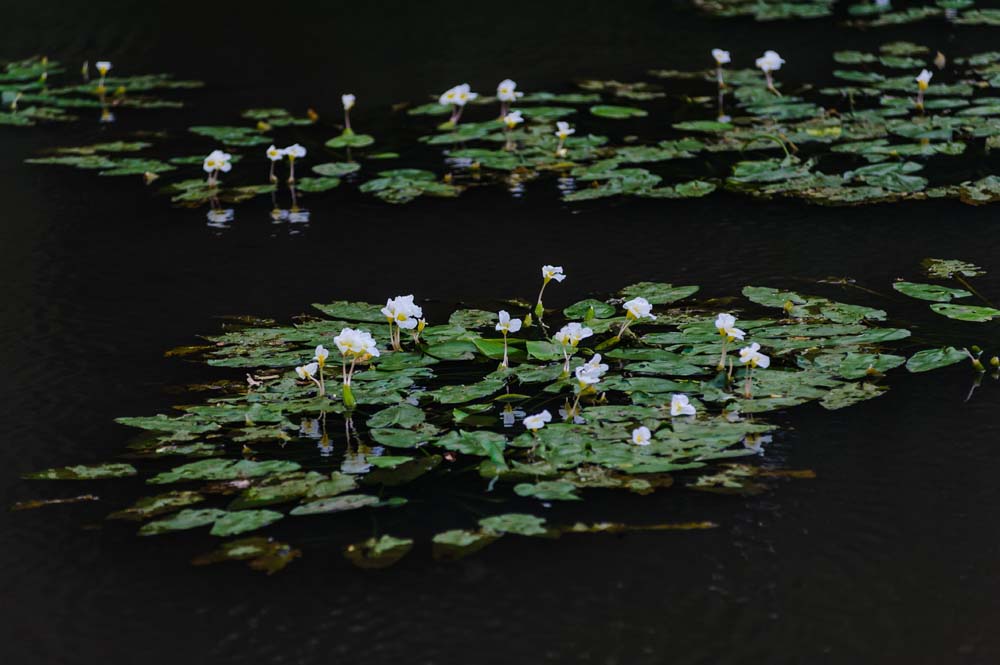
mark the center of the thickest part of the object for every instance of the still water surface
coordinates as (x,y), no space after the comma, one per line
(888,556)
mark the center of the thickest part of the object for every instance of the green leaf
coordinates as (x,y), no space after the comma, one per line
(231,524)
(353,311)
(858,365)
(84,472)
(335,505)
(350,140)
(589,309)
(929,291)
(658,293)
(151,506)
(458,543)
(966,312)
(336,169)
(548,490)
(517,523)
(400,415)
(378,553)
(617,112)
(186,519)
(223,469)
(308,184)
(947,268)
(929,359)
(849,395)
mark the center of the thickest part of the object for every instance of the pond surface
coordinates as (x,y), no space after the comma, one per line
(887,556)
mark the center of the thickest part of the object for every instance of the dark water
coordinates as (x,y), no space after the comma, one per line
(889,556)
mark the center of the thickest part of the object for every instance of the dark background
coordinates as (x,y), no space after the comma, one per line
(889,556)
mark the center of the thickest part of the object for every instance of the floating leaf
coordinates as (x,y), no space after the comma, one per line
(235,523)
(378,552)
(185,519)
(262,554)
(929,291)
(84,472)
(548,490)
(966,312)
(350,140)
(929,359)
(517,523)
(335,505)
(617,112)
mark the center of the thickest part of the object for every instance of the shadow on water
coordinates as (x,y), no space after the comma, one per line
(889,556)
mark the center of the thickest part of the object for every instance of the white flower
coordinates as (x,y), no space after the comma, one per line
(681,406)
(465,95)
(294,151)
(217,161)
(639,308)
(356,343)
(321,355)
(924,80)
(563,130)
(457,96)
(513,119)
(538,420)
(507,91)
(572,334)
(641,436)
(348,101)
(721,57)
(553,272)
(591,372)
(752,355)
(770,61)
(507,324)
(307,371)
(726,325)
(401,311)
(103,66)
(275,154)
(448,96)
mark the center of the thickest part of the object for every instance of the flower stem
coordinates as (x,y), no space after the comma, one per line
(349,400)
(505,363)
(539,308)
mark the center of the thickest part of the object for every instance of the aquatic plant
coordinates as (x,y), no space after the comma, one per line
(505,326)
(402,314)
(563,132)
(752,358)
(923,82)
(768,63)
(456,98)
(507,93)
(347,101)
(640,416)
(549,273)
(721,58)
(274,155)
(293,152)
(726,325)
(358,346)
(635,309)
(215,163)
